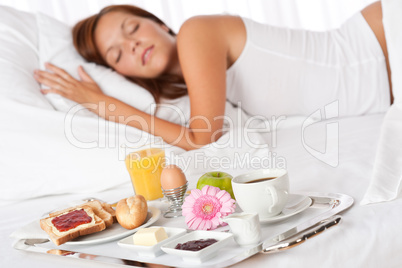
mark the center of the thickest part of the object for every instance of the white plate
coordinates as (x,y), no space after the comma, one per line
(296,204)
(116,231)
(203,254)
(155,250)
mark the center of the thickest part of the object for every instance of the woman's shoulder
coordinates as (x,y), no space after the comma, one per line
(212,19)
(219,25)
(223,33)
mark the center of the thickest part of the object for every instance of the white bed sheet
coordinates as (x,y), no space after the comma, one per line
(367,237)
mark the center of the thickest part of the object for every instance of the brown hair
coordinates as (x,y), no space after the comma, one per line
(167,86)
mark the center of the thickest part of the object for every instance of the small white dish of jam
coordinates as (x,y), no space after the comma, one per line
(155,250)
(197,246)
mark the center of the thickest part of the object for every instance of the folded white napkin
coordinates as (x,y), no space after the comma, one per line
(30,231)
(33,229)
(385,184)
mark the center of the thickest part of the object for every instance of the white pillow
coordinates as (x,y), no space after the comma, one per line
(19,58)
(386,181)
(56,46)
(37,157)
(176,111)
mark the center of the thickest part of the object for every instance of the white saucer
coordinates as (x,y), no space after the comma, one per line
(296,204)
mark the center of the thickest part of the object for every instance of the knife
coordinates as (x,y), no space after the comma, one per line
(298,239)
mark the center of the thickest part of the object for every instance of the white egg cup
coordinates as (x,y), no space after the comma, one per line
(175,197)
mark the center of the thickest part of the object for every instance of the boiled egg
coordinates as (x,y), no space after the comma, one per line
(172,177)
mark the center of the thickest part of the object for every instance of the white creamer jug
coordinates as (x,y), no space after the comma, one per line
(245,227)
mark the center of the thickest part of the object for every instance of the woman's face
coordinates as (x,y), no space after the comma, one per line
(136,46)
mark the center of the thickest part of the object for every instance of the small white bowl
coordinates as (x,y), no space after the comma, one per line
(155,250)
(203,254)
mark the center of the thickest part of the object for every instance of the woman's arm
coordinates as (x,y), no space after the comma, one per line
(88,93)
(207,45)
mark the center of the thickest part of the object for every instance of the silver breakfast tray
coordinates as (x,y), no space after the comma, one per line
(321,215)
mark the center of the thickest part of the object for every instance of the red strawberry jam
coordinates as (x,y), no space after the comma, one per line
(196,245)
(71,220)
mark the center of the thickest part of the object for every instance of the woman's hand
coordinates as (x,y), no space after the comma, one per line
(62,83)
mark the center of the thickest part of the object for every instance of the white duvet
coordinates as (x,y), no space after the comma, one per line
(368,236)
(79,154)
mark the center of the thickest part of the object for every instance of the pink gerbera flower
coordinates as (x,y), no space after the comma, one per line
(203,209)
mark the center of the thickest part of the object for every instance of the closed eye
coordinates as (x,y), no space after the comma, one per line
(135,29)
(118,57)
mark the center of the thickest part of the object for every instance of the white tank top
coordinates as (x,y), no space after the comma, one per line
(296,72)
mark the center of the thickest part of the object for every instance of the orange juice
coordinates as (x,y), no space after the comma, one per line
(145,168)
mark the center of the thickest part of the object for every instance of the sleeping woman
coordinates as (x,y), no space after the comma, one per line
(270,71)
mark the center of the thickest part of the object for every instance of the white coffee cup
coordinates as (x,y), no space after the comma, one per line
(263,191)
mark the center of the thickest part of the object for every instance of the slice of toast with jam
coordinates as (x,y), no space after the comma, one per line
(100,209)
(71,223)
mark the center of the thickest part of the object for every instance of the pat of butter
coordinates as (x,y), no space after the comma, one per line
(149,236)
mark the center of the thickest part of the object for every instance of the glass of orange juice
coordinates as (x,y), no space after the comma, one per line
(145,164)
